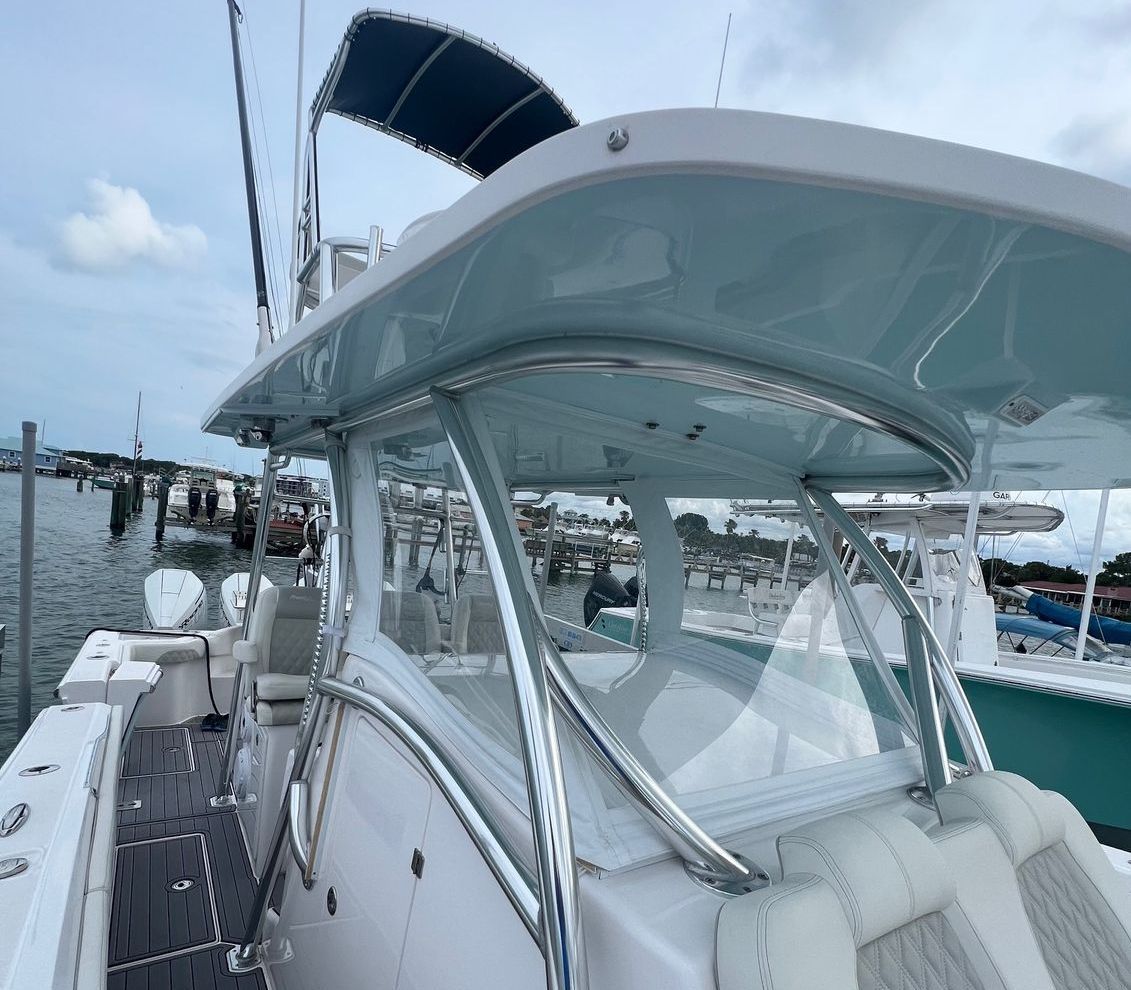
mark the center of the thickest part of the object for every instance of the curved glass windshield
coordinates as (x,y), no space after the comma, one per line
(725,657)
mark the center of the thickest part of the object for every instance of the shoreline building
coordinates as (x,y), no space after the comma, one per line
(11,456)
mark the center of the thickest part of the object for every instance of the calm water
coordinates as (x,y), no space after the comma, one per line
(85,577)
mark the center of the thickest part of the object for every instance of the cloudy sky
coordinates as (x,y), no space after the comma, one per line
(123,238)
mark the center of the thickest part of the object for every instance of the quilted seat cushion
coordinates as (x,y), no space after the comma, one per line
(1084,946)
(923,955)
(1078,907)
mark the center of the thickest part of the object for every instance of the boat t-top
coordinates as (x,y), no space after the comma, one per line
(660,307)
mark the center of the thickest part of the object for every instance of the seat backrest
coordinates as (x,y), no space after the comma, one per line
(409,619)
(1078,906)
(284,627)
(475,625)
(892,921)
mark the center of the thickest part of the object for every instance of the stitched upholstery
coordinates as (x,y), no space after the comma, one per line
(284,627)
(409,619)
(988,910)
(885,871)
(475,625)
(1079,908)
(922,955)
(1084,946)
(897,927)
(281,687)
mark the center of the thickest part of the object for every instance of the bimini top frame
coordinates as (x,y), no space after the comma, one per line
(440,89)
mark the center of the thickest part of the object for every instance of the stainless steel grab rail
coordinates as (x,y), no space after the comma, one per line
(496,849)
(703,857)
(297,809)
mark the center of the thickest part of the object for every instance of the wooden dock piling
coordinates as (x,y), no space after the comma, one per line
(119,507)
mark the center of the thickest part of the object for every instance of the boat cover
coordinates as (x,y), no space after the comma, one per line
(1102,627)
(447,92)
(1026,625)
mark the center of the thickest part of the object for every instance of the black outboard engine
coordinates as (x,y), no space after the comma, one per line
(211,502)
(606,591)
(193,502)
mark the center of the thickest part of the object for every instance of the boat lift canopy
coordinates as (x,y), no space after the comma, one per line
(440,89)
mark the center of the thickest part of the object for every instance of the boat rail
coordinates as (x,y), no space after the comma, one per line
(333,263)
(561,934)
(497,850)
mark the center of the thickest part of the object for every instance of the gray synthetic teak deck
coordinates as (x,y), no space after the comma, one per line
(183,882)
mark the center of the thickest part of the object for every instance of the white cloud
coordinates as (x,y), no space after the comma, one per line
(121,229)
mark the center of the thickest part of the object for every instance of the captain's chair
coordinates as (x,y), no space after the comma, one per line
(475,626)
(280,644)
(409,619)
(1078,905)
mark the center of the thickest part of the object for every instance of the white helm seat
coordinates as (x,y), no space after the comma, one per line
(409,619)
(282,633)
(1078,905)
(867,902)
(476,627)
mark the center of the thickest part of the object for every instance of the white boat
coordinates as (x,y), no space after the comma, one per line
(174,599)
(203,496)
(687,305)
(233,596)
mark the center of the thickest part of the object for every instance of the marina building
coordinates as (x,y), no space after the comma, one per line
(11,456)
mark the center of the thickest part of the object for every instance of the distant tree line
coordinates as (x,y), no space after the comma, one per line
(104,460)
(1115,572)
(695,531)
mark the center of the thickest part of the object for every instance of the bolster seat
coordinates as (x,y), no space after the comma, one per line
(867,902)
(1078,905)
(409,619)
(476,627)
(280,644)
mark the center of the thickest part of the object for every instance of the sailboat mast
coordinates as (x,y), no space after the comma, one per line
(262,311)
(137,432)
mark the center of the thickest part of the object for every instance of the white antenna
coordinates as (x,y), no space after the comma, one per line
(723,60)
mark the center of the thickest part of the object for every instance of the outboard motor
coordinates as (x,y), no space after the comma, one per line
(193,502)
(606,591)
(211,502)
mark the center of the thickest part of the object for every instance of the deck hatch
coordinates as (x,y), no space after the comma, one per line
(155,914)
(158,751)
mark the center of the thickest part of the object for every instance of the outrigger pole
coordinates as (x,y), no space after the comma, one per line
(262,311)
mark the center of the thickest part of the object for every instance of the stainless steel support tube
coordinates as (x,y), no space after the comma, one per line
(969,734)
(844,585)
(704,858)
(560,906)
(936,766)
(27,560)
(271,468)
(247,954)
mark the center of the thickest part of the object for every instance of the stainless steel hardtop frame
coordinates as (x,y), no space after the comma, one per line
(945,429)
